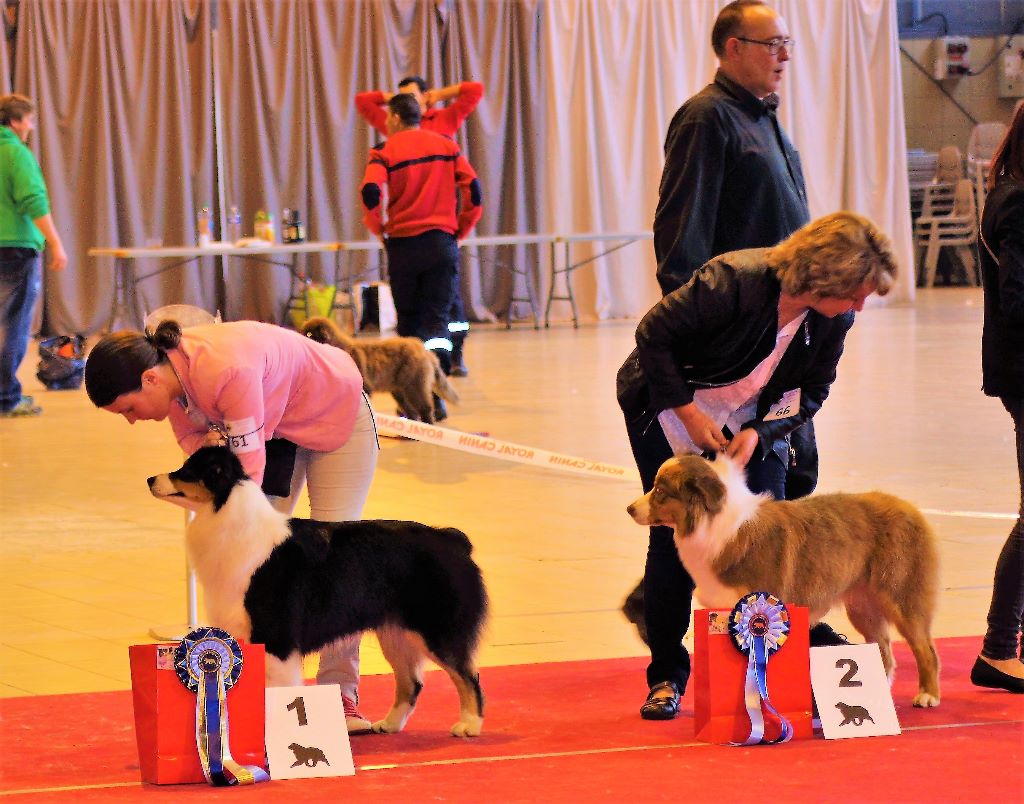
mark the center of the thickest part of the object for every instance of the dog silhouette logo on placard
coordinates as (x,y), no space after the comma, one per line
(853,714)
(310,757)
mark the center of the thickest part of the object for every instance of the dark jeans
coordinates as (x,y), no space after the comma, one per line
(1006,612)
(20,283)
(423,271)
(668,587)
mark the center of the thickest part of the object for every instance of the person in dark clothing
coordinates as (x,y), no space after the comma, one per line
(732,180)
(1001,663)
(446,120)
(425,174)
(735,361)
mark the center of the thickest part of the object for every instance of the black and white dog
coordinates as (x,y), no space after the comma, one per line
(297,585)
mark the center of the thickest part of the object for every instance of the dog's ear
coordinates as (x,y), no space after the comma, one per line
(704,495)
(216,468)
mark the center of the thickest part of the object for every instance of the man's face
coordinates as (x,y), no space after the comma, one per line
(412,88)
(25,126)
(752,65)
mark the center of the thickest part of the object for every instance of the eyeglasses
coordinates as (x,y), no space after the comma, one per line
(773,45)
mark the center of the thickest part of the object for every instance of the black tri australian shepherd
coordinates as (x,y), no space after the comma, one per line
(297,585)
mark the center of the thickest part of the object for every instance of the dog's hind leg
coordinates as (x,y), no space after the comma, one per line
(868,616)
(471,697)
(915,627)
(405,653)
(284,673)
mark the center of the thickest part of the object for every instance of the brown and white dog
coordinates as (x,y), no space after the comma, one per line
(403,367)
(873,552)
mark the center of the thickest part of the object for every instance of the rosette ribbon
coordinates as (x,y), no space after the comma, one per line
(759,626)
(209,661)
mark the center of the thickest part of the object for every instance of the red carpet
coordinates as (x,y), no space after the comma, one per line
(560,732)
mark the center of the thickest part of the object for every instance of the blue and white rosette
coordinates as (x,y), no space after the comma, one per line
(759,626)
(209,661)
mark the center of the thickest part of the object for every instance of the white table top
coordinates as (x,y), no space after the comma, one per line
(231,250)
(213,250)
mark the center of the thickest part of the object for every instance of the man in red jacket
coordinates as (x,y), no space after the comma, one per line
(446,120)
(425,174)
(464,96)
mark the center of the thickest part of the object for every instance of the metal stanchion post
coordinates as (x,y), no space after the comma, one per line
(175,633)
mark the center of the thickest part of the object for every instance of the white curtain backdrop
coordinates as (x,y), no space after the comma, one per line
(618,69)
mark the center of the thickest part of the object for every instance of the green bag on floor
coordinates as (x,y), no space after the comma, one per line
(318,302)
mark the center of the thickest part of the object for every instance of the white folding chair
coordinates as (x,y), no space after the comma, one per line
(921,168)
(957,229)
(981,147)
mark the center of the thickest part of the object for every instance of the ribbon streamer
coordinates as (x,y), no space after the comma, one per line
(759,625)
(208,662)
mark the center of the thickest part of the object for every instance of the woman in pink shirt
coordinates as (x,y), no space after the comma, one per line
(243,384)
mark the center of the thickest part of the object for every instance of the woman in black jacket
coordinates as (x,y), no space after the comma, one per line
(1002,363)
(735,361)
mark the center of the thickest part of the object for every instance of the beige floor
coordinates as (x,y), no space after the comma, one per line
(90,562)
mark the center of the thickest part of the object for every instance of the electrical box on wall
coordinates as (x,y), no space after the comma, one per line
(952,57)
(1011,73)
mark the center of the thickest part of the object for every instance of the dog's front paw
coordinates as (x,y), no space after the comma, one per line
(387,726)
(468,727)
(925,699)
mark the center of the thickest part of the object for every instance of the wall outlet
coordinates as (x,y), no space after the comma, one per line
(952,57)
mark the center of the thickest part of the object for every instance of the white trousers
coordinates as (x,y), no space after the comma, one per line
(338,484)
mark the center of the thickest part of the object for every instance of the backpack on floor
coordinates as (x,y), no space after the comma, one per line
(61,362)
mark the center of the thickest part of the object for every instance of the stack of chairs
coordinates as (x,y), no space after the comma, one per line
(921,168)
(954,226)
(981,147)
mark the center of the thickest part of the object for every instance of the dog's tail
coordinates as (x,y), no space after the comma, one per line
(442,387)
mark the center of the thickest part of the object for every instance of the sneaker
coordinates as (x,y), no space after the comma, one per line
(822,636)
(26,407)
(354,720)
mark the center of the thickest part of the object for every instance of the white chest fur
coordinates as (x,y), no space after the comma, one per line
(697,551)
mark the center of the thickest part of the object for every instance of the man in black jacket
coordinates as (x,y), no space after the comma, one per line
(735,361)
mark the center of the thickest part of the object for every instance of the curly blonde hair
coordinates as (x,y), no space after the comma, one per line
(834,257)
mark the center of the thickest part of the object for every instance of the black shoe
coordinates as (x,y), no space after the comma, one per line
(661,708)
(440,410)
(822,636)
(458,367)
(985,675)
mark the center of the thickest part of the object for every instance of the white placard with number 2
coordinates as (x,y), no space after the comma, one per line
(306,734)
(852,692)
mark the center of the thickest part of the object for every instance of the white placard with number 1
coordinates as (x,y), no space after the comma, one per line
(852,692)
(306,734)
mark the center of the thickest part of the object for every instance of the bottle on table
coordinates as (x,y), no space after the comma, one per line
(259,227)
(234,225)
(271,229)
(292,230)
(203,227)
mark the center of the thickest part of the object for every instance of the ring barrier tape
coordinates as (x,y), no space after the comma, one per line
(503,450)
(518,453)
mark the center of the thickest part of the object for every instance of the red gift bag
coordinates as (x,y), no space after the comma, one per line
(719,674)
(165,714)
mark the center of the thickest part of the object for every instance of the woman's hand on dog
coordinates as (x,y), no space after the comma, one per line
(742,446)
(702,429)
(214,439)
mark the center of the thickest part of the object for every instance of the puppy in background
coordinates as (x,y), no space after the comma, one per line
(403,367)
(873,552)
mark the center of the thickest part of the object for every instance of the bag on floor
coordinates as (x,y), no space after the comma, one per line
(376,307)
(165,714)
(317,300)
(719,675)
(61,362)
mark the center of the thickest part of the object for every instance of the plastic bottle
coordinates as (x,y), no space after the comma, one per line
(259,228)
(270,230)
(292,230)
(203,227)
(234,227)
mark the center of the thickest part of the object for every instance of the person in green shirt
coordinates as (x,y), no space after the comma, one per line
(26,225)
